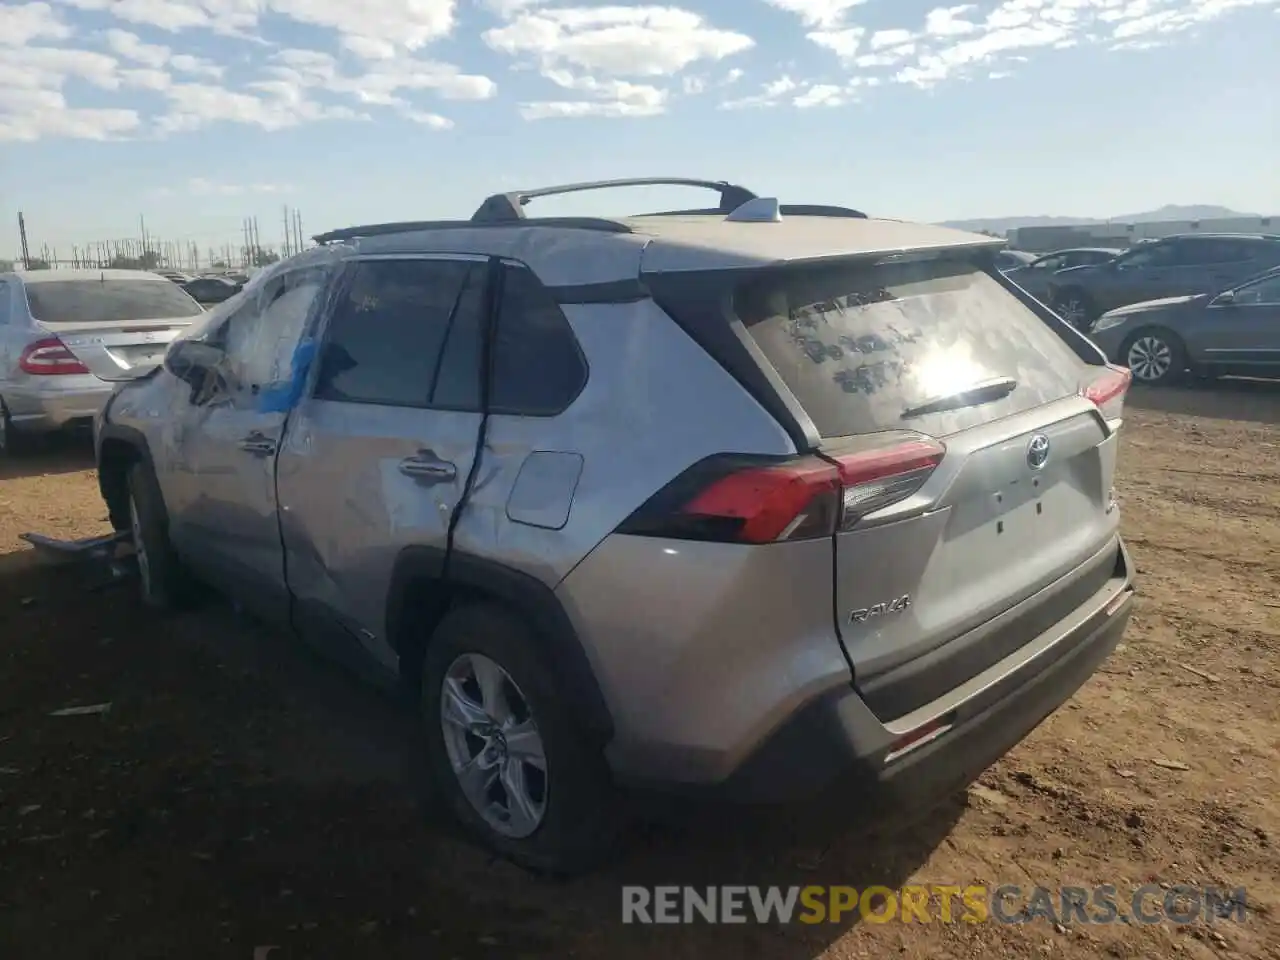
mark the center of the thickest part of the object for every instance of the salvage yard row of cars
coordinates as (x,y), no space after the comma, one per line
(600,493)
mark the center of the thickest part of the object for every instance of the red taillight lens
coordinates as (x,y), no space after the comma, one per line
(746,500)
(50,357)
(1107,390)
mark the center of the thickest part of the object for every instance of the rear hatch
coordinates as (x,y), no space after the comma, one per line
(975,452)
(119,328)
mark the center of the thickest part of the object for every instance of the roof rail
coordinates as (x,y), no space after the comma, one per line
(413,226)
(509,207)
(786,210)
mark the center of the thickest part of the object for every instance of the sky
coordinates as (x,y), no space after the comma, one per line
(195,114)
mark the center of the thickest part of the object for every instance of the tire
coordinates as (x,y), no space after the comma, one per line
(12,442)
(570,817)
(163,583)
(1076,308)
(1156,357)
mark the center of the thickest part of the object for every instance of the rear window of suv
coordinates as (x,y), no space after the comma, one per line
(862,344)
(108,301)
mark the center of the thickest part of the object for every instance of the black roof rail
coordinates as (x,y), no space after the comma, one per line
(509,207)
(413,226)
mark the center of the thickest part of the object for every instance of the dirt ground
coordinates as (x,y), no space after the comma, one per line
(241,794)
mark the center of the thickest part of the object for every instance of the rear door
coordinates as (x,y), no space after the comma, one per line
(113,325)
(1018,491)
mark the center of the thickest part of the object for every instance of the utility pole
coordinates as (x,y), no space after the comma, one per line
(297,226)
(288,234)
(22,232)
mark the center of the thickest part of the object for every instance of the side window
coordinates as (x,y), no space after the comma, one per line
(261,332)
(1150,257)
(384,340)
(1262,293)
(538,368)
(1211,250)
(1049,264)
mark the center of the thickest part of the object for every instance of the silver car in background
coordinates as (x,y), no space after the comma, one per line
(65,335)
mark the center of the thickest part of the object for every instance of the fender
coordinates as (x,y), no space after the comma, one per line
(530,597)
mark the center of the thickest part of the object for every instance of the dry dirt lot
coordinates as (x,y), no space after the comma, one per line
(242,794)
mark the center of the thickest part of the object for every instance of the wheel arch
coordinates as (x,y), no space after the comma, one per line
(424,588)
(119,448)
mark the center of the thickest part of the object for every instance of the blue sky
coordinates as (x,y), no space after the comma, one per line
(198,113)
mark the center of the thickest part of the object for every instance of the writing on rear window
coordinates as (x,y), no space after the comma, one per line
(862,346)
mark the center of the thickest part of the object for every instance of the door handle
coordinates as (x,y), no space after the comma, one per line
(258,444)
(428,468)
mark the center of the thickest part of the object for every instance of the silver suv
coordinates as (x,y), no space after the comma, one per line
(738,500)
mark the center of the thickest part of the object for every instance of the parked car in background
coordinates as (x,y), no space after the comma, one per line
(66,335)
(211,290)
(868,533)
(1034,277)
(174,276)
(1007,260)
(1235,332)
(1178,266)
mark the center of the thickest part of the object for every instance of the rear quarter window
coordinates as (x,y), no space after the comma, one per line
(108,301)
(859,345)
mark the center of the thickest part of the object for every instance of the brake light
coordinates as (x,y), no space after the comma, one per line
(1113,383)
(736,499)
(50,357)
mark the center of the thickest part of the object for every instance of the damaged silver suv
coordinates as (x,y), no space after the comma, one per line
(744,500)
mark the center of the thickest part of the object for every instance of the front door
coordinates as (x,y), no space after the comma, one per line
(370,465)
(1244,334)
(225,524)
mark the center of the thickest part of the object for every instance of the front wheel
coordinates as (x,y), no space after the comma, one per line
(1155,357)
(163,581)
(505,750)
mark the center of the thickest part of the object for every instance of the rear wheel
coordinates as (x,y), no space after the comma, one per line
(1156,357)
(1075,307)
(12,442)
(504,749)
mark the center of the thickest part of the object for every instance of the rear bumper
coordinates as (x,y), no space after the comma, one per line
(41,405)
(836,743)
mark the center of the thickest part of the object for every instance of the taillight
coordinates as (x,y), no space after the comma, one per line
(1107,390)
(877,478)
(736,499)
(50,357)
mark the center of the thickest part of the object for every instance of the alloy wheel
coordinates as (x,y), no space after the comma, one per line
(1150,358)
(494,745)
(139,547)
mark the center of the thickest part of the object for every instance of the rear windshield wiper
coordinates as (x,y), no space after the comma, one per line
(985,392)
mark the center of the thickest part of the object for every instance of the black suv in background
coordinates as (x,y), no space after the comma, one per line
(1178,266)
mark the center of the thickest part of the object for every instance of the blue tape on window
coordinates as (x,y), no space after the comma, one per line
(283,397)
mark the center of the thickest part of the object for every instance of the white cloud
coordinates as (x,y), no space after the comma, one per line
(196,105)
(890,38)
(818,13)
(770,94)
(31,113)
(821,95)
(843,43)
(622,41)
(605,98)
(948,22)
(21,24)
(381,81)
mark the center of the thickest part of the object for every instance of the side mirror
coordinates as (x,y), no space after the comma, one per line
(191,360)
(1226,298)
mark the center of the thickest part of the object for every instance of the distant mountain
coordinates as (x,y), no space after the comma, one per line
(1001,225)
